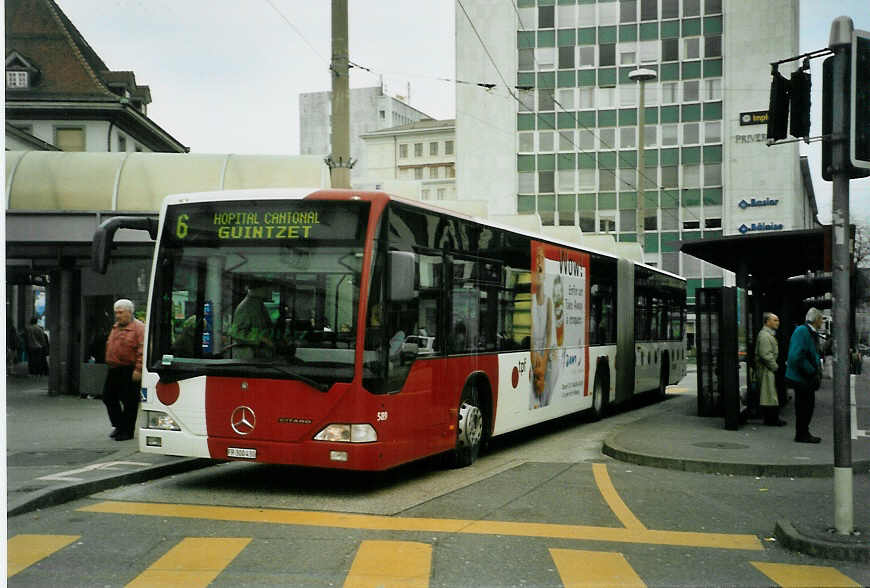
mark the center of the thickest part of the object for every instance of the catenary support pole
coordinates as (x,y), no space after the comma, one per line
(339,161)
(840,43)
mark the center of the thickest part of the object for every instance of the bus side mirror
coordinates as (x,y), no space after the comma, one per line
(101,247)
(403,268)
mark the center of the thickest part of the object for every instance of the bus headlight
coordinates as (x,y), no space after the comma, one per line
(160,420)
(347,433)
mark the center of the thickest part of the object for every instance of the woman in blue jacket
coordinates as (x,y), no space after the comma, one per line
(804,373)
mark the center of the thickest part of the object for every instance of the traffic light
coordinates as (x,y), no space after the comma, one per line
(777,119)
(799,94)
(859,124)
(828,118)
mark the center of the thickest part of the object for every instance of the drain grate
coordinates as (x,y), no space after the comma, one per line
(61,457)
(720,445)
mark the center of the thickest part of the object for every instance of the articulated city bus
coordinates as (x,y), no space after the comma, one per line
(346,329)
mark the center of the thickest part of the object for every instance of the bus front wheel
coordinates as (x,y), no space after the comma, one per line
(664,377)
(469,434)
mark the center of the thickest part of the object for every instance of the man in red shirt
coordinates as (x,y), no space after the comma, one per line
(124,358)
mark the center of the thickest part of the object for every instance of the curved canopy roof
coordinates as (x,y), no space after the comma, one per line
(59,181)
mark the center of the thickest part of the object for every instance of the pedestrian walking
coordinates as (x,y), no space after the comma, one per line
(124,358)
(804,373)
(36,341)
(766,353)
(13,346)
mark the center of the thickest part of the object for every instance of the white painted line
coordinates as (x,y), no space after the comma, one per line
(108,465)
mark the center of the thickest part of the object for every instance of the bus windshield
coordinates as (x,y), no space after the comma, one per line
(270,286)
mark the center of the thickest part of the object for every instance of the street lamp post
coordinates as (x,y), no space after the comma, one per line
(641,75)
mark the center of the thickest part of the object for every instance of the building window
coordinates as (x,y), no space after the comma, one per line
(526,182)
(586,15)
(670,49)
(607,54)
(691,7)
(669,135)
(607,138)
(691,91)
(433,172)
(418,173)
(669,176)
(670,92)
(606,180)
(691,225)
(649,9)
(691,176)
(627,220)
(403,151)
(712,6)
(606,97)
(587,56)
(566,181)
(566,57)
(712,174)
(424,195)
(418,149)
(546,17)
(440,193)
(628,137)
(713,89)
(527,142)
(713,132)
(526,59)
(545,99)
(527,100)
(713,46)
(627,57)
(383,114)
(448,147)
(650,133)
(546,182)
(713,223)
(546,58)
(606,223)
(566,99)
(450,171)
(628,95)
(433,148)
(628,11)
(70,139)
(670,8)
(692,48)
(566,140)
(545,141)
(587,139)
(567,17)
(17,79)
(691,133)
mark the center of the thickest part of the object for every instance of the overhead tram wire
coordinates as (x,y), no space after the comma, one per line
(297,31)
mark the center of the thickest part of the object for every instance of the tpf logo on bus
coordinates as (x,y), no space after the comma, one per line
(520,368)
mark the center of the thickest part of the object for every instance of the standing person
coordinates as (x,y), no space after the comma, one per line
(124,358)
(13,344)
(37,348)
(804,373)
(766,353)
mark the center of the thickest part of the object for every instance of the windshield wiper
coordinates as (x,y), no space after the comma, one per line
(169,361)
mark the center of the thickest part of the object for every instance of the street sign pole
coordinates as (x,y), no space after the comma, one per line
(840,44)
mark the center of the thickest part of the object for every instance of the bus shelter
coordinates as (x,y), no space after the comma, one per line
(775,272)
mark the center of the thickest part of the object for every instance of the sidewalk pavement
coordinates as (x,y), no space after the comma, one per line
(58,450)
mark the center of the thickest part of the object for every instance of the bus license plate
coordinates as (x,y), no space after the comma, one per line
(240,452)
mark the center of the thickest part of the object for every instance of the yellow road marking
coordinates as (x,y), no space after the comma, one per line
(195,561)
(390,563)
(806,576)
(25,550)
(383,523)
(594,568)
(625,516)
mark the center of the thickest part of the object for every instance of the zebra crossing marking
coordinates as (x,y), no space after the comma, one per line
(195,561)
(794,576)
(390,563)
(579,568)
(22,551)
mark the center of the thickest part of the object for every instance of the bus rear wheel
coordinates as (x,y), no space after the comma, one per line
(664,376)
(599,401)
(469,434)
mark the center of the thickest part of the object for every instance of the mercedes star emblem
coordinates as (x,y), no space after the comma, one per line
(243,420)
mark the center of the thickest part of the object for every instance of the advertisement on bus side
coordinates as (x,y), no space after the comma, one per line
(560,319)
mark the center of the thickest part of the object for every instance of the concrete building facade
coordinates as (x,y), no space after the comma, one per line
(558,134)
(370,110)
(423,151)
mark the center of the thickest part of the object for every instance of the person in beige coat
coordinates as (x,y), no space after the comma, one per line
(766,353)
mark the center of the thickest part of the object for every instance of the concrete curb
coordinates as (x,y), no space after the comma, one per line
(829,546)
(61,494)
(612,449)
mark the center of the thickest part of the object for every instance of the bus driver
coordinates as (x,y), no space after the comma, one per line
(251,329)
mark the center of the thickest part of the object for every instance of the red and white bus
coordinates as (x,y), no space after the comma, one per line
(347,329)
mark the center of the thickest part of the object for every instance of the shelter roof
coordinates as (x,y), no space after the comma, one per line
(769,256)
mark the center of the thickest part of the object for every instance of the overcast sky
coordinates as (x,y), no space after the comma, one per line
(225,75)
